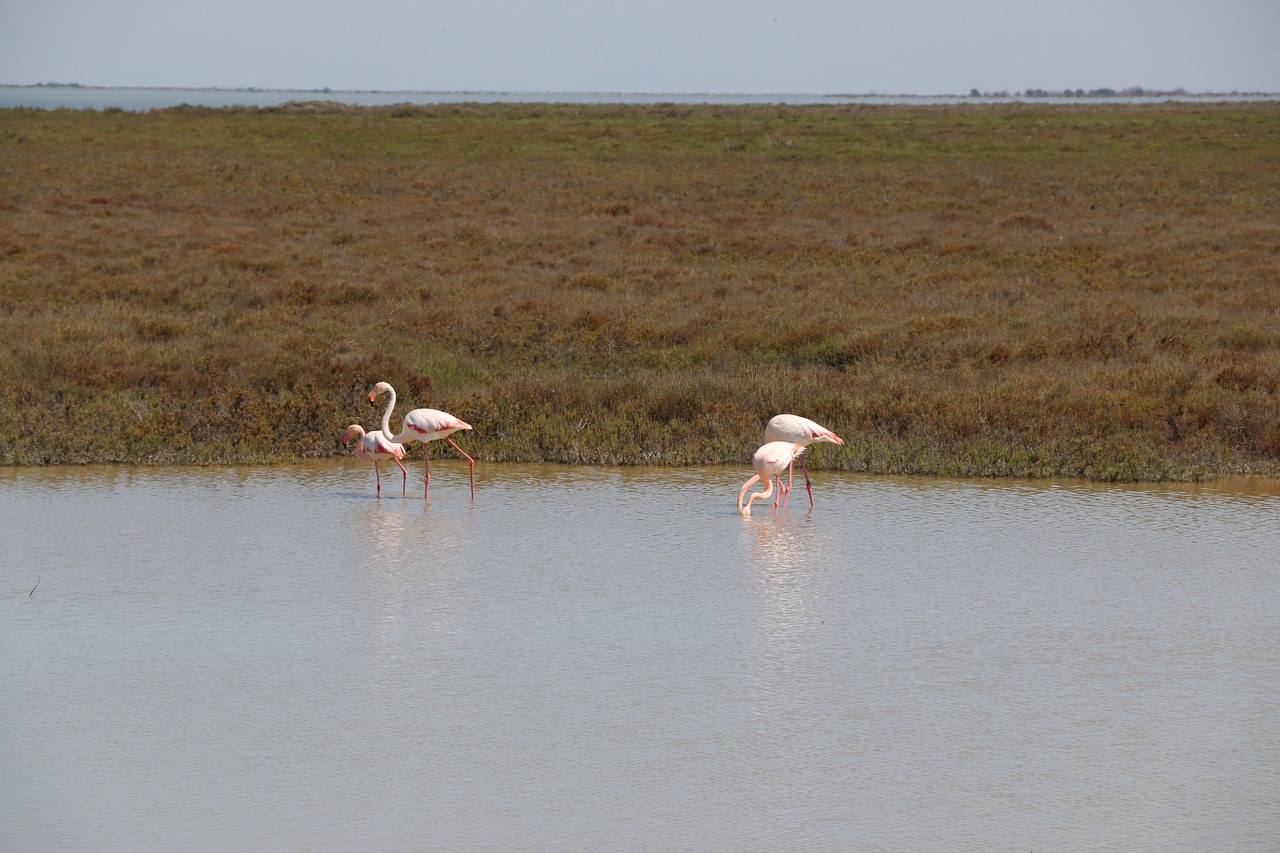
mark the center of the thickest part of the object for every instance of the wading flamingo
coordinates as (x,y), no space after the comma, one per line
(424,425)
(373,446)
(798,430)
(770,461)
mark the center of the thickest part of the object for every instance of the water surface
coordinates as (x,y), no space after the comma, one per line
(590,659)
(137,99)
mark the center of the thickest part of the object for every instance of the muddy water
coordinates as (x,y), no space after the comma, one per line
(589,659)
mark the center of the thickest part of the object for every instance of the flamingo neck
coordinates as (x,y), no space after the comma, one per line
(386,413)
(768,491)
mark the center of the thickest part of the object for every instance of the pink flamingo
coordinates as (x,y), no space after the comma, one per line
(770,461)
(374,446)
(798,430)
(424,425)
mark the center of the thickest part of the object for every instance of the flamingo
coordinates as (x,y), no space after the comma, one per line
(770,461)
(424,425)
(798,430)
(374,446)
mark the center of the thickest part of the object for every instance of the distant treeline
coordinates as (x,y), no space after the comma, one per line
(1131,92)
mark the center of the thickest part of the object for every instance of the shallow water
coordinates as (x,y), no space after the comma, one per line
(589,659)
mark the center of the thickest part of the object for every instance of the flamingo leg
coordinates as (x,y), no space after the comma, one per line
(378,474)
(471,463)
(426,475)
(780,502)
(807,484)
(404,480)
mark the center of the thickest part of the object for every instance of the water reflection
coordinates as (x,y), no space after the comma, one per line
(782,550)
(413,560)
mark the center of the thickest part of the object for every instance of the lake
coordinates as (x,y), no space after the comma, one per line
(137,99)
(614,659)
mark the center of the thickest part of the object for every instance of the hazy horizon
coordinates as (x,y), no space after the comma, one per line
(1128,91)
(916,47)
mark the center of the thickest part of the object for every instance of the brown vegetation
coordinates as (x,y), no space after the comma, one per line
(981,290)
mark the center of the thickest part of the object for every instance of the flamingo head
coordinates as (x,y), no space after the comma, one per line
(380,388)
(353,430)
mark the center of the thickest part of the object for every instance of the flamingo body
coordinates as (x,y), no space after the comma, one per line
(803,431)
(375,446)
(798,430)
(424,425)
(769,461)
(429,425)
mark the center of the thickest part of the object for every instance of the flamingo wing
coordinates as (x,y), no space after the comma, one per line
(388,449)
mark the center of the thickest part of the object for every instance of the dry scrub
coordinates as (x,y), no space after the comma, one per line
(978,290)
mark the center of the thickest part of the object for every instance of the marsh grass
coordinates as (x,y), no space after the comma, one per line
(1005,290)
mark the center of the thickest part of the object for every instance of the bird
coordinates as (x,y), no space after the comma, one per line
(802,431)
(374,446)
(424,425)
(769,461)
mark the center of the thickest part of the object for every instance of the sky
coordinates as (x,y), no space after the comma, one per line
(913,47)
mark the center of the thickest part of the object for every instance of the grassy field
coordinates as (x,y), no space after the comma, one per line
(991,290)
